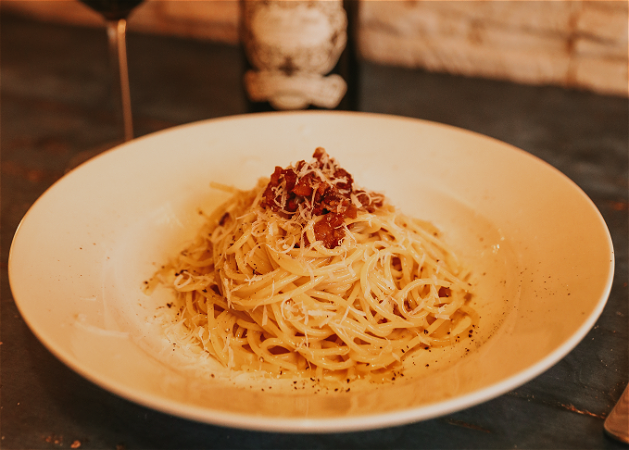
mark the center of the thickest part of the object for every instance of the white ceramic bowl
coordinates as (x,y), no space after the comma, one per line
(540,250)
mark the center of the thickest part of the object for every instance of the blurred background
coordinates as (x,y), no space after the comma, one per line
(576,44)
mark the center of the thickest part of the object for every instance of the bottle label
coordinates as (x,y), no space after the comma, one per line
(292,46)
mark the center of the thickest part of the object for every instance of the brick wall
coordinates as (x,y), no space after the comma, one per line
(579,44)
(569,43)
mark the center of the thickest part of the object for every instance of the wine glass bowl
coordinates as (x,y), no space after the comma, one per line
(113,9)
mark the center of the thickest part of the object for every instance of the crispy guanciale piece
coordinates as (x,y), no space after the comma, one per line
(319,188)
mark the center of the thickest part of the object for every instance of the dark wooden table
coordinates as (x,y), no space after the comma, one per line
(56,102)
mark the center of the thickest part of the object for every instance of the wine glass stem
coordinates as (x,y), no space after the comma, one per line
(116,34)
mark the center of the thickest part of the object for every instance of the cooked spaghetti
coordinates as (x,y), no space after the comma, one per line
(308,275)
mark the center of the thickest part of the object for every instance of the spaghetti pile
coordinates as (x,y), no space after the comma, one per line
(308,275)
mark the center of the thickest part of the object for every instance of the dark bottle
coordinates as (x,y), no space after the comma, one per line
(299,54)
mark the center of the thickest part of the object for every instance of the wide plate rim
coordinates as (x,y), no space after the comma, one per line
(356,423)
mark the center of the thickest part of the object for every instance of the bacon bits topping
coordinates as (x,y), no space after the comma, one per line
(319,188)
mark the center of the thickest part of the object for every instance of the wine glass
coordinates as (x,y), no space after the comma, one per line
(115,13)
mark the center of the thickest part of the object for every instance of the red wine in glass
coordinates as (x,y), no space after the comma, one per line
(115,13)
(113,9)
